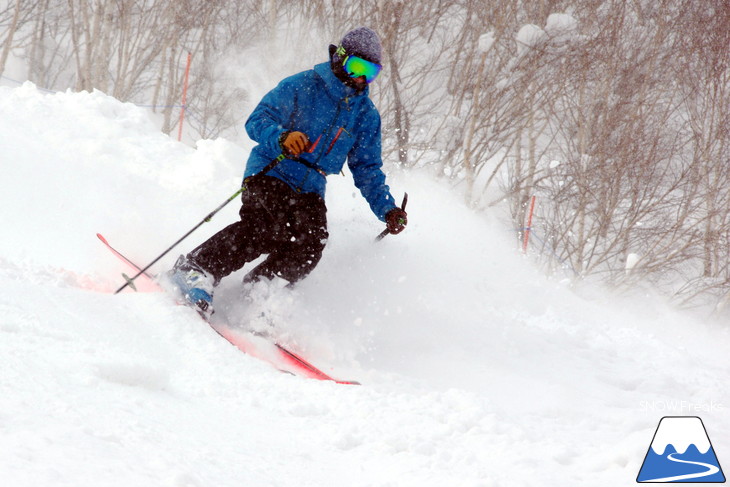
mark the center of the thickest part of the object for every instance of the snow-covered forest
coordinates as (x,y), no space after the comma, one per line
(613,114)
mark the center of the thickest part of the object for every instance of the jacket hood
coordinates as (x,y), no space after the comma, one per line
(336,88)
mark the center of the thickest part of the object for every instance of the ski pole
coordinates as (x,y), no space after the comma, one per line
(269,166)
(204,220)
(385,232)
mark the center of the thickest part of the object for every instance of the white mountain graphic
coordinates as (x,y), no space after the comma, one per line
(680,432)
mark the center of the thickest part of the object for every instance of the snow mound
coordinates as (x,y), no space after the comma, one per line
(477,370)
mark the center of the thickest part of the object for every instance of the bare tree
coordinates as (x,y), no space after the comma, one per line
(10,35)
(703,74)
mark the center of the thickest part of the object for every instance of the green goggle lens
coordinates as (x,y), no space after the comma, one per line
(357,66)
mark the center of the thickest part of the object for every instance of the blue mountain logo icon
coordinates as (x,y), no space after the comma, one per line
(681,452)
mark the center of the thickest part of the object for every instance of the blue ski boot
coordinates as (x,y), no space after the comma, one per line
(194,284)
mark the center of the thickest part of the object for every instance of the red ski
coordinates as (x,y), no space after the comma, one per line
(277,355)
(147,283)
(258,346)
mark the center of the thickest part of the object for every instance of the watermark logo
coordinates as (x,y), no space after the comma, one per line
(681,452)
(677,407)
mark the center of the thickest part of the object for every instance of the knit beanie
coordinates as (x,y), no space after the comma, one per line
(362,42)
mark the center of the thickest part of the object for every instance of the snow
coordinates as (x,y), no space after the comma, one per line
(559,28)
(529,36)
(486,41)
(631,260)
(476,369)
(558,24)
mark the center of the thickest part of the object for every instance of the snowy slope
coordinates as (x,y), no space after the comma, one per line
(476,369)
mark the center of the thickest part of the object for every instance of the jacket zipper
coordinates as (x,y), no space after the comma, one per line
(327,132)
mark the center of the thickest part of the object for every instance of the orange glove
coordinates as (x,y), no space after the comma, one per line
(293,143)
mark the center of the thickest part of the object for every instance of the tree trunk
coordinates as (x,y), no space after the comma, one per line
(9,38)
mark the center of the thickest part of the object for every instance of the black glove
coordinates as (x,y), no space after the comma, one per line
(293,143)
(396,219)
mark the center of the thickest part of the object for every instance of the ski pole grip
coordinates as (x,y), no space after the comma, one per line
(385,232)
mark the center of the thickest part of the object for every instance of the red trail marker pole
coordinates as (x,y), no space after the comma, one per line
(529,226)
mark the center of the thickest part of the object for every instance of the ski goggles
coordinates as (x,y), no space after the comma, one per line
(357,66)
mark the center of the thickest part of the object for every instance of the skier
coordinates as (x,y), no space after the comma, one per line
(310,123)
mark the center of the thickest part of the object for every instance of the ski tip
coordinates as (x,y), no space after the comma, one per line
(101,237)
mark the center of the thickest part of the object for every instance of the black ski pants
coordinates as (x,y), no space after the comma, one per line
(290,227)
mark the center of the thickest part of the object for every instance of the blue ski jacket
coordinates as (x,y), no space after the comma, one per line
(341,124)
